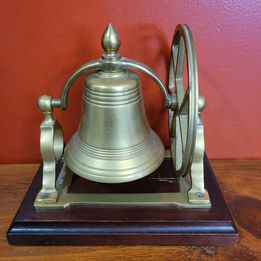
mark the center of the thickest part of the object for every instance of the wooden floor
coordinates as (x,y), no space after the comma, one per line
(240,181)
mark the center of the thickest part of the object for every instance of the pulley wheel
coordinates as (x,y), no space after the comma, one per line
(183,85)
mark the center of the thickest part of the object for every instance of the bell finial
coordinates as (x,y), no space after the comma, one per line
(110,40)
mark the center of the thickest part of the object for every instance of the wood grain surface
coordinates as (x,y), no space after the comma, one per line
(239,181)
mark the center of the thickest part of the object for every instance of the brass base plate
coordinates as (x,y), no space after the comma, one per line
(158,189)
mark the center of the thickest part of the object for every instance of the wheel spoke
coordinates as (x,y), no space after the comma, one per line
(171,74)
(179,59)
(178,145)
(184,107)
(183,125)
(179,68)
(171,121)
(180,92)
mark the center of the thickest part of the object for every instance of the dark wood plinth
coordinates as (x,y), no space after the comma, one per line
(125,225)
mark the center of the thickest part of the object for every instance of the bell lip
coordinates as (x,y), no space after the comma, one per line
(122,179)
(144,169)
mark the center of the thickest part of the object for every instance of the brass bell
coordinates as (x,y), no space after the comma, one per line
(114,142)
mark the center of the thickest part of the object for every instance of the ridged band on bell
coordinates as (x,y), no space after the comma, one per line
(115,166)
(111,89)
(114,142)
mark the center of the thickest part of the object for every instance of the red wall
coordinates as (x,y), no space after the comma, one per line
(43,42)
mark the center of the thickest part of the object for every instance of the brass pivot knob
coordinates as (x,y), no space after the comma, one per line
(45,104)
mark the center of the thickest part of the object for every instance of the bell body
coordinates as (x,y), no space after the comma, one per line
(114,142)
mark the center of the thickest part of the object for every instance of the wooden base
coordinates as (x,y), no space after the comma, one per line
(125,225)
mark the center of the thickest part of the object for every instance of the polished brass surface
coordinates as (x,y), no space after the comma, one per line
(111,62)
(114,142)
(111,41)
(183,122)
(179,199)
(51,144)
(186,128)
(197,192)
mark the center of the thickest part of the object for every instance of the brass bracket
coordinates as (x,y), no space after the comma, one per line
(51,144)
(197,194)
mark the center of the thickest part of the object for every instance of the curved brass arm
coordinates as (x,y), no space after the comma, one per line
(122,63)
(62,102)
(131,64)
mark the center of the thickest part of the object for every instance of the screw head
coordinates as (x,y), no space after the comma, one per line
(46,195)
(199,194)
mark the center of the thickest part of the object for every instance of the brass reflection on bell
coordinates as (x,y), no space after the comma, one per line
(114,142)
